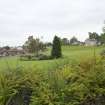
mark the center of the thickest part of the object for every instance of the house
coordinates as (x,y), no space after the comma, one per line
(91,42)
(77,43)
(10,52)
(19,48)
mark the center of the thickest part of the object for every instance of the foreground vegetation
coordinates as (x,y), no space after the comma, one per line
(70,54)
(82,84)
(76,79)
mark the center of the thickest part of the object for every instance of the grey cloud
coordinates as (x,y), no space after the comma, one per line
(47,17)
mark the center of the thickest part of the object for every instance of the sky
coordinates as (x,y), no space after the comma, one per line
(46,18)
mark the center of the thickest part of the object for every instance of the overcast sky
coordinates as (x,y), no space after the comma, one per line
(65,18)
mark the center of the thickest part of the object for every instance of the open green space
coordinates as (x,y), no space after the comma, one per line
(70,54)
(75,79)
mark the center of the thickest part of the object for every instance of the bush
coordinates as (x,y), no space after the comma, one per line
(82,84)
(56,48)
(44,57)
(26,57)
(32,58)
(103,53)
(16,86)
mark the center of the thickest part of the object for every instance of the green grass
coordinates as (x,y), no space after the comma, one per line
(81,52)
(70,54)
(69,85)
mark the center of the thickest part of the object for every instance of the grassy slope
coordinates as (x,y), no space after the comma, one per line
(70,53)
(81,52)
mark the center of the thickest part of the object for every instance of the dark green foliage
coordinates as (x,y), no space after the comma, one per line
(27,57)
(73,40)
(103,54)
(65,41)
(48,44)
(94,35)
(44,57)
(6,47)
(102,38)
(31,57)
(56,48)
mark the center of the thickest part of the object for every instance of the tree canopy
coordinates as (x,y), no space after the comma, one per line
(73,39)
(33,45)
(94,35)
(102,38)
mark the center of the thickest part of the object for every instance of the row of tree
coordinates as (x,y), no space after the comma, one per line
(99,37)
(92,35)
(35,46)
(66,41)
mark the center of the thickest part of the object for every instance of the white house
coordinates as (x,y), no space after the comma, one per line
(91,42)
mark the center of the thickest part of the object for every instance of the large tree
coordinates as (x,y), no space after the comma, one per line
(73,40)
(56,48)
(94,35)
(6,47)
(102,38)
(65,41)
(33,45)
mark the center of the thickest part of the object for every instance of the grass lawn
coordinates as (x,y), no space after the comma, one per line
(81,52)
(70,54)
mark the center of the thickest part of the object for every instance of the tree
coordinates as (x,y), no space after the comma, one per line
(6,47)
(102,38)
(48,44)
(56,48)
(94,35)
(73,40)
(33,45)
(65,41)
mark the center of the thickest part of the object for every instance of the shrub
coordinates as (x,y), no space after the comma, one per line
(43,57)
(56,48)
(16,86)
(82,84)
(31,57)
(103,53)
(26,57)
